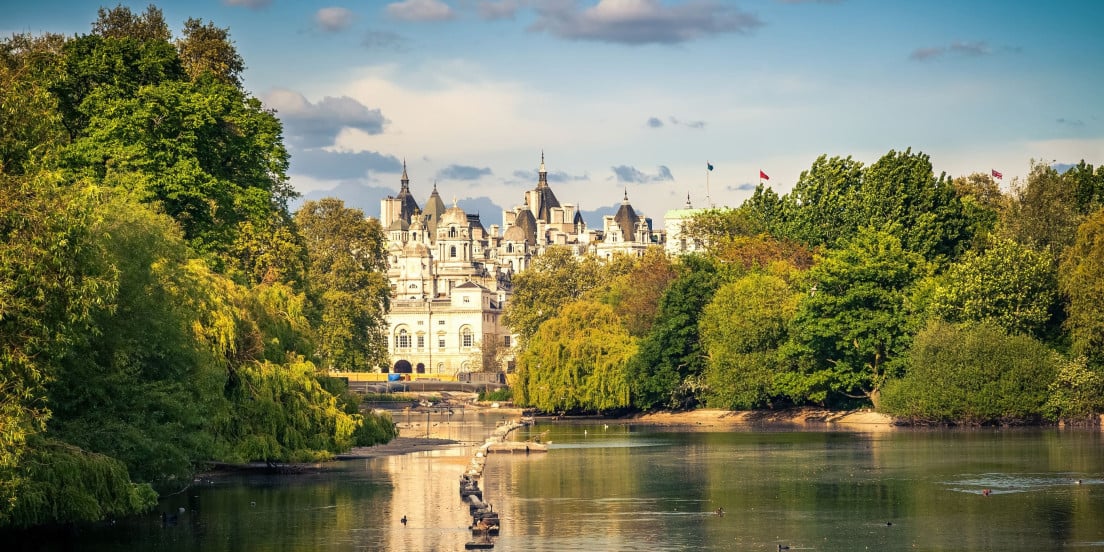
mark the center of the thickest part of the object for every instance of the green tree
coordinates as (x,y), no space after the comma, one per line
(667,370)
(52,279)
(28,110)
(982,205)
(741,331)
(576,361)
(635,295)
(1043,212)
(207,49)
(555,279)
(1011,285)
(349,281)
(1081,279)
(822,208)
(973,373)
(1076,394)
(120,22)
(901,194)
(849,332)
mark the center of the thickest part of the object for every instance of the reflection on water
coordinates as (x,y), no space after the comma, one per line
(625,488)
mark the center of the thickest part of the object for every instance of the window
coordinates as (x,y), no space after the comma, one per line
(452,234)
(402,339)
(466,337)
(452,252)
(506,341)
(467,299)
(441,343)
(440,322)
(421,342)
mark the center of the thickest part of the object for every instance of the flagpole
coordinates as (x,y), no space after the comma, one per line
(708,200)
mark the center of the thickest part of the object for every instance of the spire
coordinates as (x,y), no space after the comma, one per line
(626,198)
(543,181)
(405,179)
(688,206)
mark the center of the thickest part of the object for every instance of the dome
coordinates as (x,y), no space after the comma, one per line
(454,215)
(514,234)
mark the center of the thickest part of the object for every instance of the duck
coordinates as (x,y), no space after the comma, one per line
(403,520)
(719,511)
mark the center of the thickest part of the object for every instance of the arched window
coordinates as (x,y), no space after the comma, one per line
(402,339)
(452,252)
(452,231)
(509,248)
(466,337)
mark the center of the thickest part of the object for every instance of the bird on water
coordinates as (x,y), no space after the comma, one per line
(403,520)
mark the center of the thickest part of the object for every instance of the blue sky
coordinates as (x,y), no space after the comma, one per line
(640,94)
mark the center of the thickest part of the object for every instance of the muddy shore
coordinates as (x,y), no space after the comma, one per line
(694,420)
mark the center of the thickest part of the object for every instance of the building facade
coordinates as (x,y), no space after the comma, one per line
(451,276)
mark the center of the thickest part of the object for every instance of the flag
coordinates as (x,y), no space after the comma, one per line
(997,174)
(709,165)
(763,175)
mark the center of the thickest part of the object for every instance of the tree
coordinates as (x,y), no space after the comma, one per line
(635,295)
(349,283)
(28,111)
(1081,279)
(576,361)
(982,205)
(207,49)
(901,194)
(973,373)
(1044,211)
(120,22)
(849,332)
(667,370)
(821,209)
(741,330)
(555,279)
(1009,284)
(52,280)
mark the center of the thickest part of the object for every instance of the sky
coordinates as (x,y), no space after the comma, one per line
(636,96)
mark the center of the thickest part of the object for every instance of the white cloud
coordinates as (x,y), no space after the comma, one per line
(420,10)
(503,9)
(333,19)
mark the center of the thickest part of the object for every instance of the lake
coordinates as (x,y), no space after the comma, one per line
(630,487)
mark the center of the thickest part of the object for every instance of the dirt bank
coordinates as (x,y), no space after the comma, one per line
(864,420)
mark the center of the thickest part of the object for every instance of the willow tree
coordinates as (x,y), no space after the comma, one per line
(576,361)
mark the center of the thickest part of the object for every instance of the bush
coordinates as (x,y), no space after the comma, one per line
(498,395)
(972,373)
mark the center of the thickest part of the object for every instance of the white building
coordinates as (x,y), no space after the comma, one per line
(451,277)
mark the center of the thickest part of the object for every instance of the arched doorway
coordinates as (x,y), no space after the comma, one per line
(403,367)
(421,368)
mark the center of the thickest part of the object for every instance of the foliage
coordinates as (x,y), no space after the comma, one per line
(1081,279)
(636,294)
(134,388)
(500,395)
(576,361)
(375,428)
(848,333)
(349,284)
(668,367)
(972,373)
(1011,285)
(208,50)
(52,280)
(821,208)
(1043,212)
(63,484)
(554,279)
(741,330)
(1077,392)
(280,413)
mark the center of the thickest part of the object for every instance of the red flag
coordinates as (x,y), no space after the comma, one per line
(763,175)
(997,174)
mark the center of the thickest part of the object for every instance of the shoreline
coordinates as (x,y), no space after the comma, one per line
(701,419)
